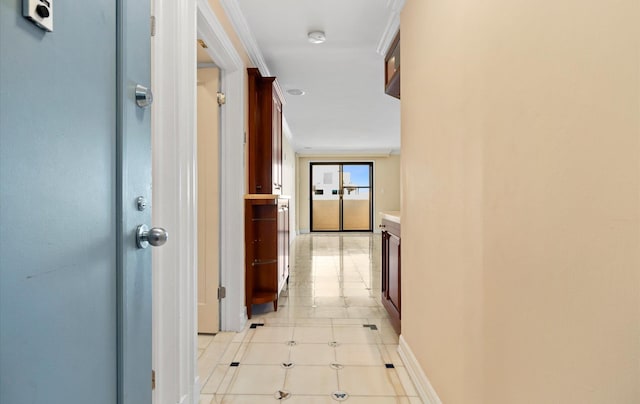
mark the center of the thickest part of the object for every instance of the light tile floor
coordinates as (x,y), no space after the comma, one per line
(329,341)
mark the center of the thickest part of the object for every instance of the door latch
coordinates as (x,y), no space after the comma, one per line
(222,99)
(144,96)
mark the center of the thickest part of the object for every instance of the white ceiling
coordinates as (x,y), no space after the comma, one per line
(345,109)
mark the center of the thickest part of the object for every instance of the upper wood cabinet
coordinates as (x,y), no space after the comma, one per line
(265,135)
(392,68)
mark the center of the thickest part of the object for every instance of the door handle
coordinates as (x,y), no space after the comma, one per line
(155,236)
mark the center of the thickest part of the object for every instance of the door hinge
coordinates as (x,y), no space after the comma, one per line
(153,379)
(222,292)
(222,99)
(153,25)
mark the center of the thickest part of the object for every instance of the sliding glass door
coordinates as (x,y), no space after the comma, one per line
(341,196)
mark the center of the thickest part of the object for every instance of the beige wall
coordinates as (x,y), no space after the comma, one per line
(521,205)
(386,187)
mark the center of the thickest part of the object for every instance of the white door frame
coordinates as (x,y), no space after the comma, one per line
(232,309)
(178,24)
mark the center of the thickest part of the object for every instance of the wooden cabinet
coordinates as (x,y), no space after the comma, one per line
(392,68)
(265,135)
(266,210)
(391,288)
(266,249)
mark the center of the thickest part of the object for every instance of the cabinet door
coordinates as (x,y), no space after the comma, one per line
(286,242)
(276,155)
(281,245)
(385,265)
(393,275)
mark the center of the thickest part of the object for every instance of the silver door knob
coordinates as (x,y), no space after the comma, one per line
(144,96)
(155,236)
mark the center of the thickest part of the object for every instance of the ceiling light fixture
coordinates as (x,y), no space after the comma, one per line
(296,91)
(316,37)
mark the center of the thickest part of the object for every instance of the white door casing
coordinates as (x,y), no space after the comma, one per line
(232,168)
(178,24)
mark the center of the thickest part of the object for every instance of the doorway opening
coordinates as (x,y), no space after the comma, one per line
(341,196)
(208,144)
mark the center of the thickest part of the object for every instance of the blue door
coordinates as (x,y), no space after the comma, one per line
(75,290)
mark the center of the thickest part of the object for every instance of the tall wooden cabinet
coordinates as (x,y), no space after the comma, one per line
(266,209)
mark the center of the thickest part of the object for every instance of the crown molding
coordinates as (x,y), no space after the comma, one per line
(219,46)
(359,153)
(393,26)
(241,26)
(286,130)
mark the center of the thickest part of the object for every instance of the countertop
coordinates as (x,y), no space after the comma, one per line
(391,215)
(266,196)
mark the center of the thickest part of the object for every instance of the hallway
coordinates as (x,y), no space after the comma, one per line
(329,341)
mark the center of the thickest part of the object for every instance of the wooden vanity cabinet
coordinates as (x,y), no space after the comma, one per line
(266,250)
(265,135)
(391,271)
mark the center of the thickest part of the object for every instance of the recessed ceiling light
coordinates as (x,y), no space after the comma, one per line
(296,91)
(316,37)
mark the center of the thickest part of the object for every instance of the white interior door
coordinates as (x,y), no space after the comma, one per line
(208,200)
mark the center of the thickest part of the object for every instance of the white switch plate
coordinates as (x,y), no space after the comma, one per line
(40,12)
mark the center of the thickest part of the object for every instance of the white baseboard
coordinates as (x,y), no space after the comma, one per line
(243,319)
(425,390)
(195,395)
(190,399)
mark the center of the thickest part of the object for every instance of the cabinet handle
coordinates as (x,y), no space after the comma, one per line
(382,226)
